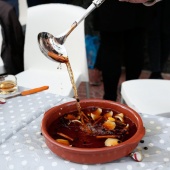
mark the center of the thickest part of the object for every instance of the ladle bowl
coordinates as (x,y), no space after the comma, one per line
(52,47)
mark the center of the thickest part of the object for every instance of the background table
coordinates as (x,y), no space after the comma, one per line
(23,147)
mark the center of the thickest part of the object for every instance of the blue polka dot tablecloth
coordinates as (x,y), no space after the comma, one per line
(17,112)
(23,147)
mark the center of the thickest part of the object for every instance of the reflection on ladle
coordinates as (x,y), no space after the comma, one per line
(52,47)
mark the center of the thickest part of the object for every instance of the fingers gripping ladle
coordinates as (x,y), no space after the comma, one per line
(52,47)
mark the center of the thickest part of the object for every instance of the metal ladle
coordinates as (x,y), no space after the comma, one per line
(52,47)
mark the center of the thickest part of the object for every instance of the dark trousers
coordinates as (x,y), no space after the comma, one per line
(15,4)
(159,36)
(125,47)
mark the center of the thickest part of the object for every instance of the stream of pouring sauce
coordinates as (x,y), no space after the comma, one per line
(63,59)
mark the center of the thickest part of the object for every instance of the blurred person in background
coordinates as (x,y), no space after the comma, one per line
(122,28)
(15,4)
(13,38)
(159,39)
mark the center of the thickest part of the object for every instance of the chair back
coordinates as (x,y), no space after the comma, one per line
(147,96)
(55,19)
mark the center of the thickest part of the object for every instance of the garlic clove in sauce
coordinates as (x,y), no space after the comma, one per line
(109,125)
(108,114)
(71,117)
(78,121)
(119,117)
(96,114)
(111,119)
(111,142)
(63,141)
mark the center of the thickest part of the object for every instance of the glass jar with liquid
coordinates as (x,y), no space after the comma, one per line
(8,84)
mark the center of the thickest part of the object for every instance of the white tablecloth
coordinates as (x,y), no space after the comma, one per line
(23,147)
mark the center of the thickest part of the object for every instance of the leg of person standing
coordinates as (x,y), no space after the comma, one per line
(96,75)
(165,32)
(159,39)
(134,41)
(154,44)
(110,48)
(15,4)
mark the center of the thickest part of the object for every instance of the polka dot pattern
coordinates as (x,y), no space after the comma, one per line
(23,147)
(21,110)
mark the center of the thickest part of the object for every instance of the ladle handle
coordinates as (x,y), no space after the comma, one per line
(95,4)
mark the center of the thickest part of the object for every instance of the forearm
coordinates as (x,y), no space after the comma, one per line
(150,2)
(145,2)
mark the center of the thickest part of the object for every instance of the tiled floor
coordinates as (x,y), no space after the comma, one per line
(97,91)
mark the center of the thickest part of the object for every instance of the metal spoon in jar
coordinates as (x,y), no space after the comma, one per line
(52,47)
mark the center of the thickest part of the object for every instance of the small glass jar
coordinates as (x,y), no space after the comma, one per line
(8,84)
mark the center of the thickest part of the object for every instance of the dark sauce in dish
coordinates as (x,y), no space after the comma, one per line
(84,136)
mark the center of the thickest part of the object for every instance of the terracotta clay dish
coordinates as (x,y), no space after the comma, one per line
(103,121)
